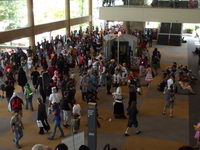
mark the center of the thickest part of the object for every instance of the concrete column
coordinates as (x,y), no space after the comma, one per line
(90,14)
(67,16)
(31,21)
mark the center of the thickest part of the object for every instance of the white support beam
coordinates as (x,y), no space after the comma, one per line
(143,14)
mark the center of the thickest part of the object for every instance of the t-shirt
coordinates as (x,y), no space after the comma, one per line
(76,109)
(54,98)
(57,114)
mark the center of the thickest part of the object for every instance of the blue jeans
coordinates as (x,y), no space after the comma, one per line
(57,125)
(18,133)
(29,102)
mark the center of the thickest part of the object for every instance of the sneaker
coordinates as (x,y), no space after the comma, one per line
(13,140)
(138,132)
(66,126)
(126,134)
(62,136)
(18,146)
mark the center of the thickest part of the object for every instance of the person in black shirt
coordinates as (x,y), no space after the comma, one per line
(42,116)
(132,120)
(9,89)
(35,76)
(66,107)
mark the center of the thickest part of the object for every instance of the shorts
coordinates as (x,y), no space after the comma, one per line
(132,123)
(169,104)
(76,124)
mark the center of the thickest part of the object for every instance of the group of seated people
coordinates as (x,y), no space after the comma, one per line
(183,79)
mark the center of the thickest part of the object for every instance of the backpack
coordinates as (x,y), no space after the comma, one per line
(16,103)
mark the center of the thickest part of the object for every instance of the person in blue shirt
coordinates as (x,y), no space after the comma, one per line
(57,121)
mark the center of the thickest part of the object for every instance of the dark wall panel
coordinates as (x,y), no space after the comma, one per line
(163,39)
(165,27)
(176,28)
(175,40)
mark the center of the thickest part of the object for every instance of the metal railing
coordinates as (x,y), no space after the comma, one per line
(190,4)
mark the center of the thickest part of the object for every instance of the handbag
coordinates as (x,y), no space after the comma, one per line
(39,123)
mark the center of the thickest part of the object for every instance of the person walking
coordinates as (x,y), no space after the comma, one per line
(28,93)
(57,121)
(66,107)
(35,76)
(17,128)
(9,89)
(134,89)
(15,104)
(169,100)
(42,116)
(132,120)
(22,79)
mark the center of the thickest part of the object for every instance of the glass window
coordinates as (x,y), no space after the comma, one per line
(40,37)
(23,42)
(77,27)
(58,32)
(46,11)
(13,14)
(95,17)
(79,8)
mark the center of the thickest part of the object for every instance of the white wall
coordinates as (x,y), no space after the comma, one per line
(142,14)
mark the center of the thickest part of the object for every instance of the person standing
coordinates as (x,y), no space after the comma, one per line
(134,88)
(76,111)
(84,85)
(28,93)
(17,128)
(57,121)
(43,83)
(132,120)
(108,82)
(149,75)
(118,104)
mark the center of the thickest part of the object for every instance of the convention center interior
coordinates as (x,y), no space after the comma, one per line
(100,74)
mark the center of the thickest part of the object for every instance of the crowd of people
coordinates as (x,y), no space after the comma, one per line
(48,70)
